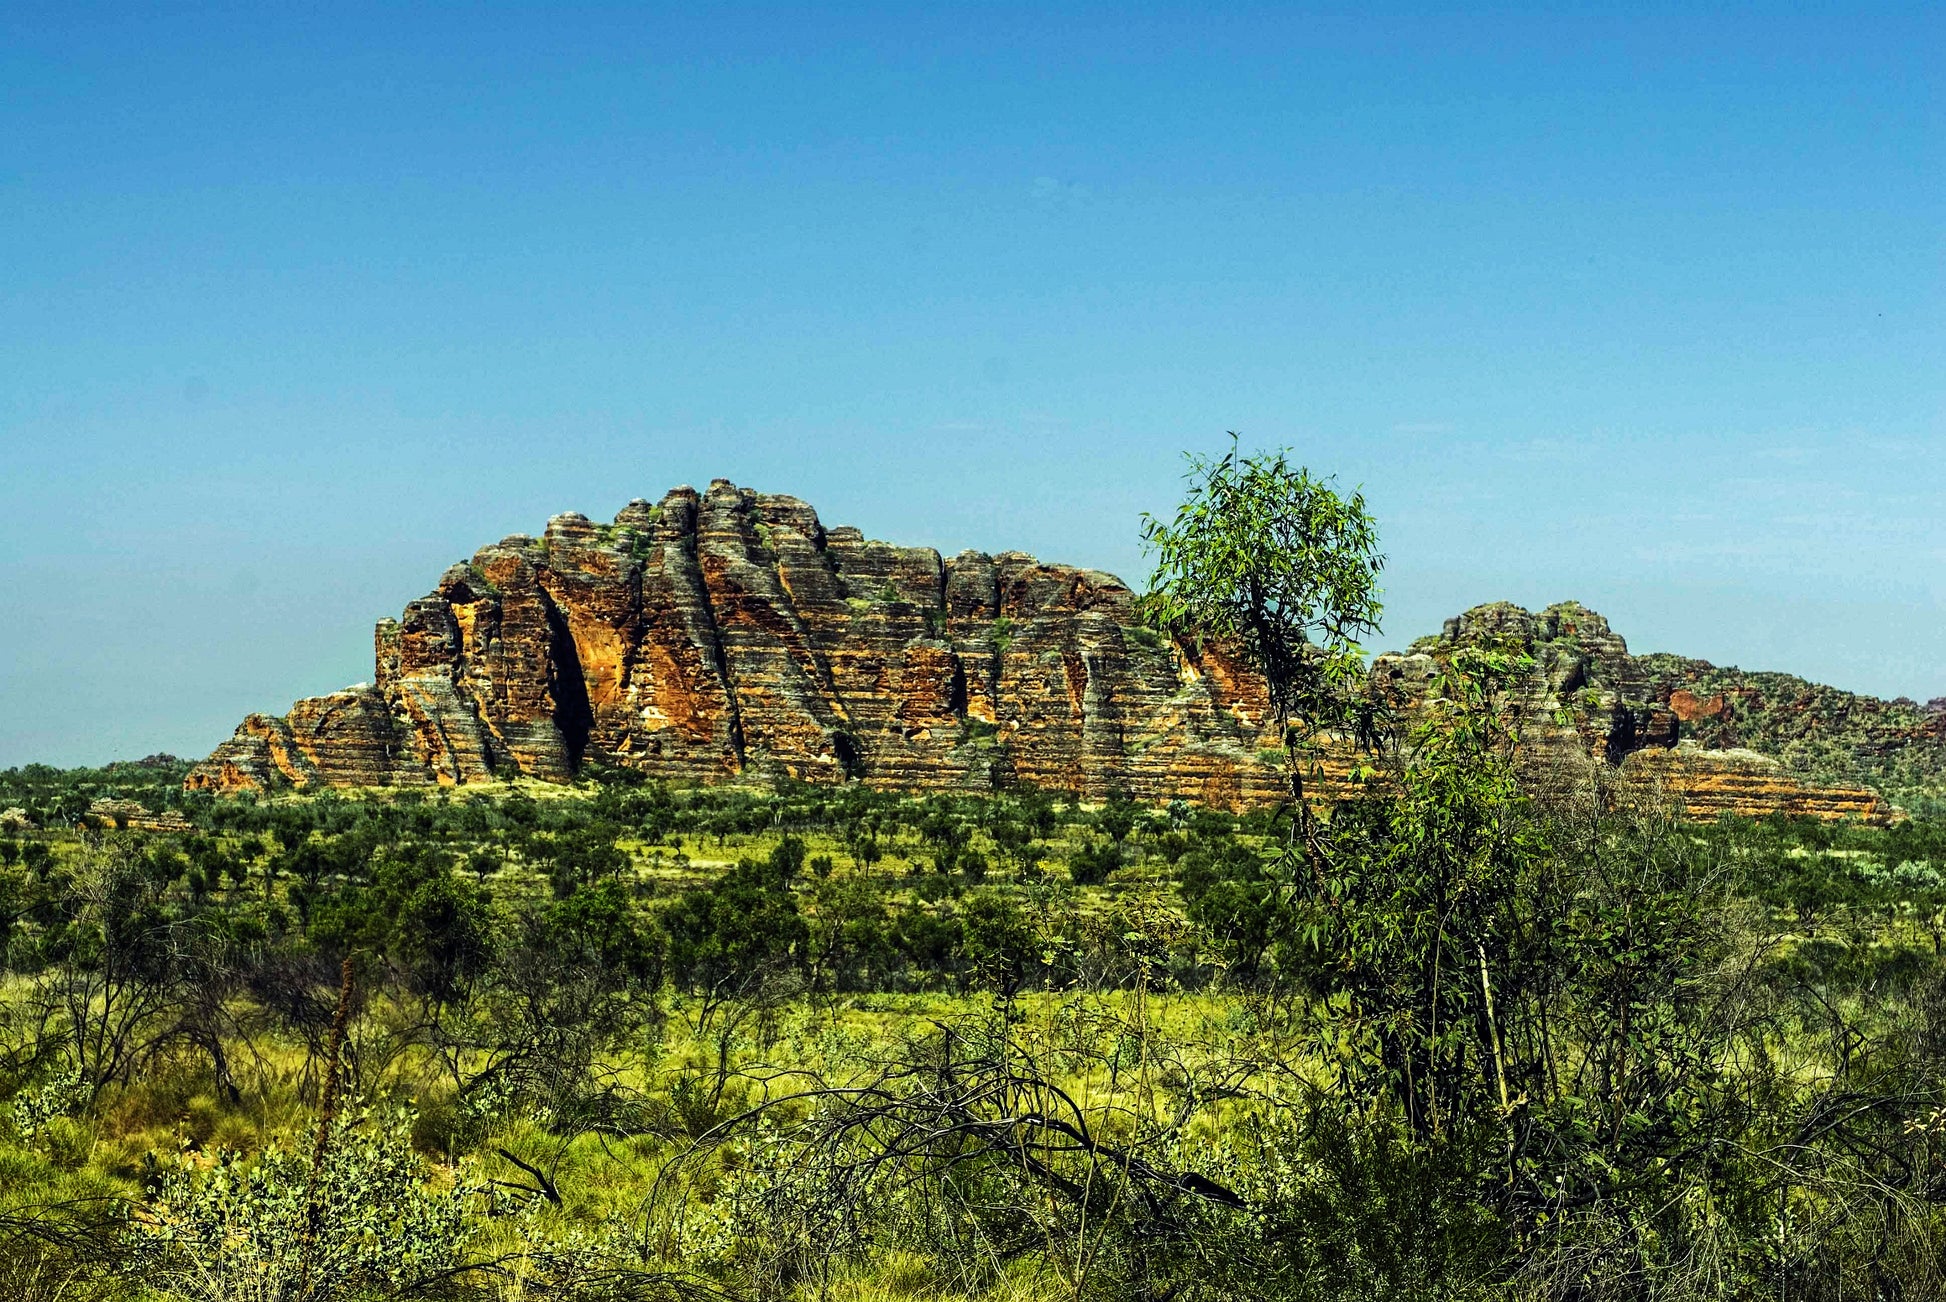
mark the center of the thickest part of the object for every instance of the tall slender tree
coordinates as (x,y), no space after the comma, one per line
(1277,564)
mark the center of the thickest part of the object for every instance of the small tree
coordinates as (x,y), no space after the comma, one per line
(1264,558)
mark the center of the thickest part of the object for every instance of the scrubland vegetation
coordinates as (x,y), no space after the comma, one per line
(623,1041)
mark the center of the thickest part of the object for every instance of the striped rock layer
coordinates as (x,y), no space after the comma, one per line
(729,633)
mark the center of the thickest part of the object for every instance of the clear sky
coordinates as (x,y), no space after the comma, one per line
(299,304)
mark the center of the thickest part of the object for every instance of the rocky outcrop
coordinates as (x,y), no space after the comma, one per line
(1582,699)
(728,633)
(1708,783)
(130,815)
(1831,738)
(1585,701)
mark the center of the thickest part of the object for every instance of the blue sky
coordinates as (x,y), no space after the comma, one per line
(298,305)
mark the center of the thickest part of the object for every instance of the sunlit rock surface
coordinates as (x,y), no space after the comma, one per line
(729,633)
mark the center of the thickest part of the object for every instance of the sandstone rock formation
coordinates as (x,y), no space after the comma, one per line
(727,633)
(1583,698)
(108,812)
(1586,701)
(1829,737)
(1711,782)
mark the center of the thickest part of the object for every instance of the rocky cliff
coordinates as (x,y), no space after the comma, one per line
(1827,736)
(726,633)
(1586,702)
(719,633)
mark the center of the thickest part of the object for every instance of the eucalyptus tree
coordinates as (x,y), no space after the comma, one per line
(1277,564)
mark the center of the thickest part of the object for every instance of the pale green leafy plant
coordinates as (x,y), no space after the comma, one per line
(375,1223)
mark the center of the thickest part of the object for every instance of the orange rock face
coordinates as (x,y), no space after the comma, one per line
(727,633)
(1690,707)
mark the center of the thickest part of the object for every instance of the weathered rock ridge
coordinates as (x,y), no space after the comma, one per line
(1585,701)
(719,633)
(726,633)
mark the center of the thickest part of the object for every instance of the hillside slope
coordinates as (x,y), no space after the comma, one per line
(1826,735)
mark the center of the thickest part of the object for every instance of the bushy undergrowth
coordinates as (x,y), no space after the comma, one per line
(624,1041)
